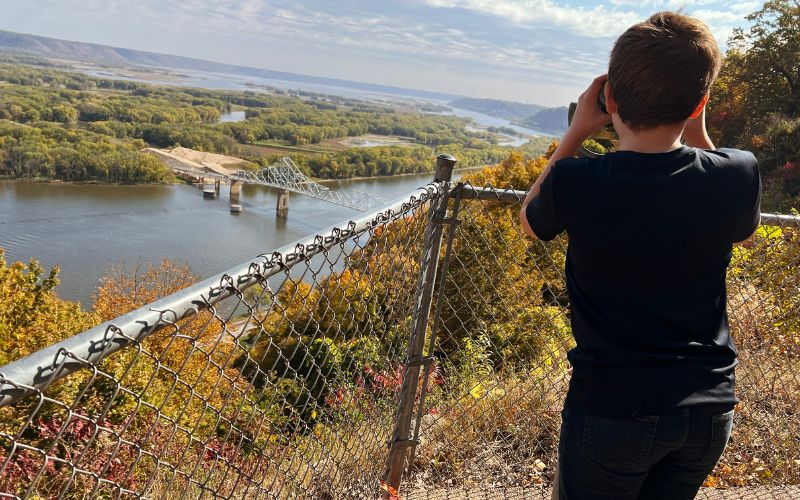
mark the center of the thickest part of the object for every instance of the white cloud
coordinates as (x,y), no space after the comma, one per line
(599,21)
(660,4)
(717,17)
(745,8)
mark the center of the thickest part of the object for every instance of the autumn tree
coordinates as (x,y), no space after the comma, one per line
(190,363)
(755,102)
(505,290)
(31,315)
(771,50)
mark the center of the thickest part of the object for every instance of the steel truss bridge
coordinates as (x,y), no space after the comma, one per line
(285,175)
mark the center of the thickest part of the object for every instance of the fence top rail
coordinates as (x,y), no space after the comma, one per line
(40,369)
(467,191)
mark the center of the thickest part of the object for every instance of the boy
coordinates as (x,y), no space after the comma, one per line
(651,227)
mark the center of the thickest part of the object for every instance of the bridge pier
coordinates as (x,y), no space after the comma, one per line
(282,208)
(208,191)
(236,190)
(217,183)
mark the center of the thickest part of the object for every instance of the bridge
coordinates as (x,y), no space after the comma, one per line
(283,175)
(416,350)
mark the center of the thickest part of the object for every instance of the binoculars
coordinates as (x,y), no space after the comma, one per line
(604,141)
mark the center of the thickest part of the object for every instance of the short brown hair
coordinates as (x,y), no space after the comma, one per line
(660,69)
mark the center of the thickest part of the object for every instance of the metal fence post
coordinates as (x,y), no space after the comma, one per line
(452,221)
(400,441)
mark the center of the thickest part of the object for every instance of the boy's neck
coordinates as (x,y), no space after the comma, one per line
(654,140)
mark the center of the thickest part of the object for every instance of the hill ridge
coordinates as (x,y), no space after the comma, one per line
(49,47)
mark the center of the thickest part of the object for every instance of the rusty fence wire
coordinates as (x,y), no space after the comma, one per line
(425,342)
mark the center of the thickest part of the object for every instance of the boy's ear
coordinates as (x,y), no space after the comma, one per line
(699,108)
(611,104)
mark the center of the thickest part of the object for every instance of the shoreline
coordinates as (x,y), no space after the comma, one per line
(362,178)
(133,184)
(87,183)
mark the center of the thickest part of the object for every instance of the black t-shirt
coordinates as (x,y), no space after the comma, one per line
(650,239)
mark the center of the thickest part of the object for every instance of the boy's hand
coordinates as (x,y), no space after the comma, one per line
(587,120)
(588,117)
(695,133)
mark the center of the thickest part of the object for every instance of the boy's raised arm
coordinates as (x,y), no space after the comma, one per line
(695,133)
(587,120)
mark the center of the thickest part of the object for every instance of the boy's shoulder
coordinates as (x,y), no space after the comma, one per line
(730,158)
(725,170)
(574,166)
(730,166)
(723,160)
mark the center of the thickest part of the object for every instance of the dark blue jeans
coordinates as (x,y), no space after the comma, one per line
(650,457)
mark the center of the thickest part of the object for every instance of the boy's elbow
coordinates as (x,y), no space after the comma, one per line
(523,221)
(747,242)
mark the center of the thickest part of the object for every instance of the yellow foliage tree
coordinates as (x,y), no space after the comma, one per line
(504,290)
(187,368)
(31,315)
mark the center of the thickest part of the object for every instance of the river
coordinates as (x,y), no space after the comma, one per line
(231,116)
(87,229)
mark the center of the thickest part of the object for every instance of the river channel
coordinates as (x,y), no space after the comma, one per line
(87,229)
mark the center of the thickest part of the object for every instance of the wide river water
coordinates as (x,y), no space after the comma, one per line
(87,229)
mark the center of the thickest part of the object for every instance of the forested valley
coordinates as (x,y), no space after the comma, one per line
(61,125)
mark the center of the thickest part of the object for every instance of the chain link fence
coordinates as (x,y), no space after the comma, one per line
(489,424)
(274,380)
(433,326)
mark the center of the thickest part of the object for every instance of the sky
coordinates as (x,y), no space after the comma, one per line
(537,51)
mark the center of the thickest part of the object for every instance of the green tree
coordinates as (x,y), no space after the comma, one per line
(755,102)
(63,114)
(772,58)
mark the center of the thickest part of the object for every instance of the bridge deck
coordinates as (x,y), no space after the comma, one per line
(281,175)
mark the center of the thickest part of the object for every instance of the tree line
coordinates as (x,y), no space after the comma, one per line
(53,152)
